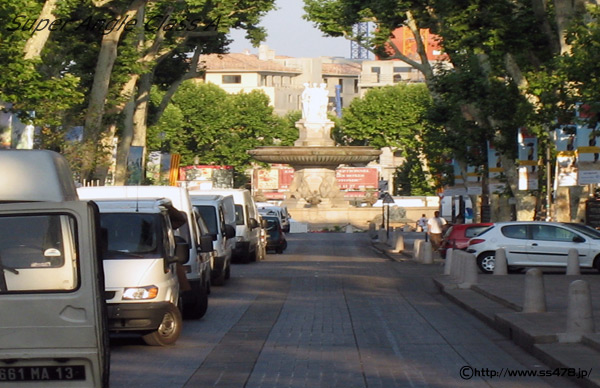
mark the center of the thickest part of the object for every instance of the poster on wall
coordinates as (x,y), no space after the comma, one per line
(495,169)
(588,154)
(566,159)
(527,160)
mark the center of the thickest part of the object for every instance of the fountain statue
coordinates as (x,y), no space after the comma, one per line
(314,156)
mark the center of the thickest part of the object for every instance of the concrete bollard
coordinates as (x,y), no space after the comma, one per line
(535,296)
(500,266)
(466,267)
(399,245)
(573,262)
(349,228)
(393,236)
(417,248)
(427,253)
(580,319)
(382,235)
(448,261)
(372,230)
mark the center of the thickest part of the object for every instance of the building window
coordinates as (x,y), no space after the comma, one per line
(263,80)
(232,79)
(355,86)
(376,69)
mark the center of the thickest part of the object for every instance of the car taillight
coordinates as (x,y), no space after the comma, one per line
(476,241)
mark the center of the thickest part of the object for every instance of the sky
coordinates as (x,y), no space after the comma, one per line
(289,34)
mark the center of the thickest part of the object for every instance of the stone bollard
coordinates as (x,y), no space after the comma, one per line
(580,319)
(382,235)
(535,296)
(417,248)
(399,245)
(393,236)
(372,230)
(500,266)
(468,268)
(573,262)
(448,261)
(349,228)
(427,253)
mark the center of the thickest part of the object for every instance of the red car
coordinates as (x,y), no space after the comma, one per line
(457,236)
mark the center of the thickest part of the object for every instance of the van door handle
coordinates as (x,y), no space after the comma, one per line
(534,245)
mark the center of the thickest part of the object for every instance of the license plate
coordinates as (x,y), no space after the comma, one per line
(42,373)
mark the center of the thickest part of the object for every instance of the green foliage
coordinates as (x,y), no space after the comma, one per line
(397,117)
(203,122)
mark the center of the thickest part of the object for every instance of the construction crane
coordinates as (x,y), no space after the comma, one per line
(356,50)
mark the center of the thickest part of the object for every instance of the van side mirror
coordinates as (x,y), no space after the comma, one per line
(206,243)
(253,223)
(578,239)
(264,223)
(182,252)
(229,231)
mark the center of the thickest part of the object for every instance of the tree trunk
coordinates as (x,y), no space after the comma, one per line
(37,41)
(106,60)
(124,144)
(140,113)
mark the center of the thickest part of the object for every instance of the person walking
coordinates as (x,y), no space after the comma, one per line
(435,228)
(422,224)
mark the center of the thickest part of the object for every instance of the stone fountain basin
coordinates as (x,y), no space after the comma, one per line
(316,156)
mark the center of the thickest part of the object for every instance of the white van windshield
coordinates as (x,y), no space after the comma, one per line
(210,217)
(131,234)
(38,253)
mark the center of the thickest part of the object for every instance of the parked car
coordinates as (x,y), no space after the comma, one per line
(536,243)
(265,208)
(197,269)
(212,211)
(140,258)
(247,235)
(275,236)
(458,235)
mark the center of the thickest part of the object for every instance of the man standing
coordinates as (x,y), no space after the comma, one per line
(435,228)
(422,224)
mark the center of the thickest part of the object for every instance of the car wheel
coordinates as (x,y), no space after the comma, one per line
(196,308)
(597,263)
(169,330)
(486,262)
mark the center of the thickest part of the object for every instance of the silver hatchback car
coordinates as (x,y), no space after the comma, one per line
(536,243)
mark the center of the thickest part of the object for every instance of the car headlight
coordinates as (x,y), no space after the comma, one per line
(140,293)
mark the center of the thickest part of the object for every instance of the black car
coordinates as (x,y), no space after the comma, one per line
(275,237)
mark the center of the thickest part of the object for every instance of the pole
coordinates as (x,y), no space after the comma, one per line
(388,223)
(548,185)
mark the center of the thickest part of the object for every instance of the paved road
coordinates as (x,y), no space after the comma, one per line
(329,312)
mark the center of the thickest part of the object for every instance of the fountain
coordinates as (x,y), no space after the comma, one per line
(314,156)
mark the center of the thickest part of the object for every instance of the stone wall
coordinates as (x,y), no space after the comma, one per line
(358,217)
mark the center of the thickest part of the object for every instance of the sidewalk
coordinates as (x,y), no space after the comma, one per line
(498,300)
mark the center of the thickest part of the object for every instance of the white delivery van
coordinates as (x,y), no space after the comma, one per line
(140,266)
(53,330)
(248,228)
(212,210)
(197,269)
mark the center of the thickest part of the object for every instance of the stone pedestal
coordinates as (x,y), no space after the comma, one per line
(315,187)
(314,134)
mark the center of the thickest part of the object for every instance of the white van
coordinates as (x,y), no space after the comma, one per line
(212,210)
(53,320)
(248,228)
(140,266)
(197,269)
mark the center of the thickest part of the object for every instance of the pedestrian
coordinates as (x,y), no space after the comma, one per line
(422,224)
(435,228)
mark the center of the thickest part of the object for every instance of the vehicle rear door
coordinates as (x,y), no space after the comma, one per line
(53,321)
(549,245)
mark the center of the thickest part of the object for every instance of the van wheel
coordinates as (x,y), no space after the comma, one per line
(597,263)
(486,262)
(198,302)
(220,280)
(169,330)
